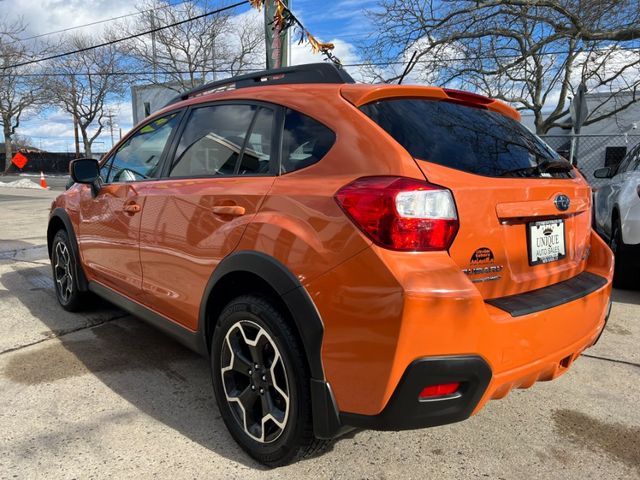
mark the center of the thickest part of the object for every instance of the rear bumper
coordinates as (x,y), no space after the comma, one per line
(405,411)
(375,334)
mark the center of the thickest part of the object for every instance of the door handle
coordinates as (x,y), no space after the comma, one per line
(131,208)
(233,210)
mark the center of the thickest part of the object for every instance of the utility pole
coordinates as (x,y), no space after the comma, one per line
(110,120)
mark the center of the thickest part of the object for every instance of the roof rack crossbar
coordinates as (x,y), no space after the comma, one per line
(308,73)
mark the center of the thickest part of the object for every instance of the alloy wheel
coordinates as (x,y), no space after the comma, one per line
(63,272)
(254,378)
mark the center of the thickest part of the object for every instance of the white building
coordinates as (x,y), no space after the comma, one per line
(603,143)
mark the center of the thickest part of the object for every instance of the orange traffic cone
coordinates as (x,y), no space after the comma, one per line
(43,182)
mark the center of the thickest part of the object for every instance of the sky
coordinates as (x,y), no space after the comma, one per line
(343,23)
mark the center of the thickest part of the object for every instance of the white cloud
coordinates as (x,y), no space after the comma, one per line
(43,16)
(52,129)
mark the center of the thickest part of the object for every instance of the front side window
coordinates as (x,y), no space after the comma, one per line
(635,160)
(624,164)
(139,158)
(305,141)
(225,140)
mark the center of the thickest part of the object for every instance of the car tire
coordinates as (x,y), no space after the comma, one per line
(261,382)
(622,275)
(63,264)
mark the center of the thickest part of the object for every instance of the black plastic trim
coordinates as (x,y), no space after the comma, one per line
(404,411)
(548,297)
(188,338)
(62,214)
(303,311)
(326,419)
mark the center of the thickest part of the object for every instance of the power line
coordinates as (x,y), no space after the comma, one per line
(129,37)
(97,22)
(134,73)
(241,70)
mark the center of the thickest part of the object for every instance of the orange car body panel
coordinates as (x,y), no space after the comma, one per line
(182,238)
(381,309)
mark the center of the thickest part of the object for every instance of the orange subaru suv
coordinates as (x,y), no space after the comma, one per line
(346,255)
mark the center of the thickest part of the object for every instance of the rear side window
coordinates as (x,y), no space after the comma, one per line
(305,141)
(214,138)
(470,139)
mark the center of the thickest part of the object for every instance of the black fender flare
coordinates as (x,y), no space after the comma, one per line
(62,215)
(307,320)
(303,311)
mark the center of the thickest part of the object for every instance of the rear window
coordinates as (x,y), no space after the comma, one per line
(470,139)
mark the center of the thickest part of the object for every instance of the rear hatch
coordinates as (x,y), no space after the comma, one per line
(524,212)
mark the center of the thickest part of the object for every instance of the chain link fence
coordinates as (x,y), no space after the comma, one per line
(593,151)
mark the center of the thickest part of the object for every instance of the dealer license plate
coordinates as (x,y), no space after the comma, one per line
(546,241)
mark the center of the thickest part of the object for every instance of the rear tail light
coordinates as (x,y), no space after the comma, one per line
(401,213)
(441,390)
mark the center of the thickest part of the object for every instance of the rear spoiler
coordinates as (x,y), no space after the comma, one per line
(360,94)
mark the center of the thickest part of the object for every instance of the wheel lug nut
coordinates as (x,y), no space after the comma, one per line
(253,387)
(264,378)
(250,372)
(256,366)
(261,391)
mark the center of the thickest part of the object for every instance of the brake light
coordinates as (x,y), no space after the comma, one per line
(439,390)
(401,213)
(467,99)
(467,96)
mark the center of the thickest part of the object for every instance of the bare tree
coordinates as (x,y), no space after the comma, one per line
(532,53)
(18,92)
(84,83)
(20,142)
(186,55)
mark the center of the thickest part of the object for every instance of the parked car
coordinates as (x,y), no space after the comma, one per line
(617,216)
(346,255)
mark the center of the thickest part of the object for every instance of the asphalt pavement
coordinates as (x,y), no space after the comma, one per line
(100,394)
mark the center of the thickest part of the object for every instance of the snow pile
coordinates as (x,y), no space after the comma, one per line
(22,183)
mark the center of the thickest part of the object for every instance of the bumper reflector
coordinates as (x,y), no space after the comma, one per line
(440,390)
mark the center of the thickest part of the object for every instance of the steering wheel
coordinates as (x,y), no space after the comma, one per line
(128,175)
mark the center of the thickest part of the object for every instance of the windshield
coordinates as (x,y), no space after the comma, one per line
(470,139)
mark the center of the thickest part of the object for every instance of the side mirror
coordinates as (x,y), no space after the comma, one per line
(604,172)
(84,170)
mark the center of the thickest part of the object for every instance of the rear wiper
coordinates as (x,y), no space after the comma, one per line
(554,165)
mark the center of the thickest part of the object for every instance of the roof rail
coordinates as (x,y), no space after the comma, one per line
(308,73)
